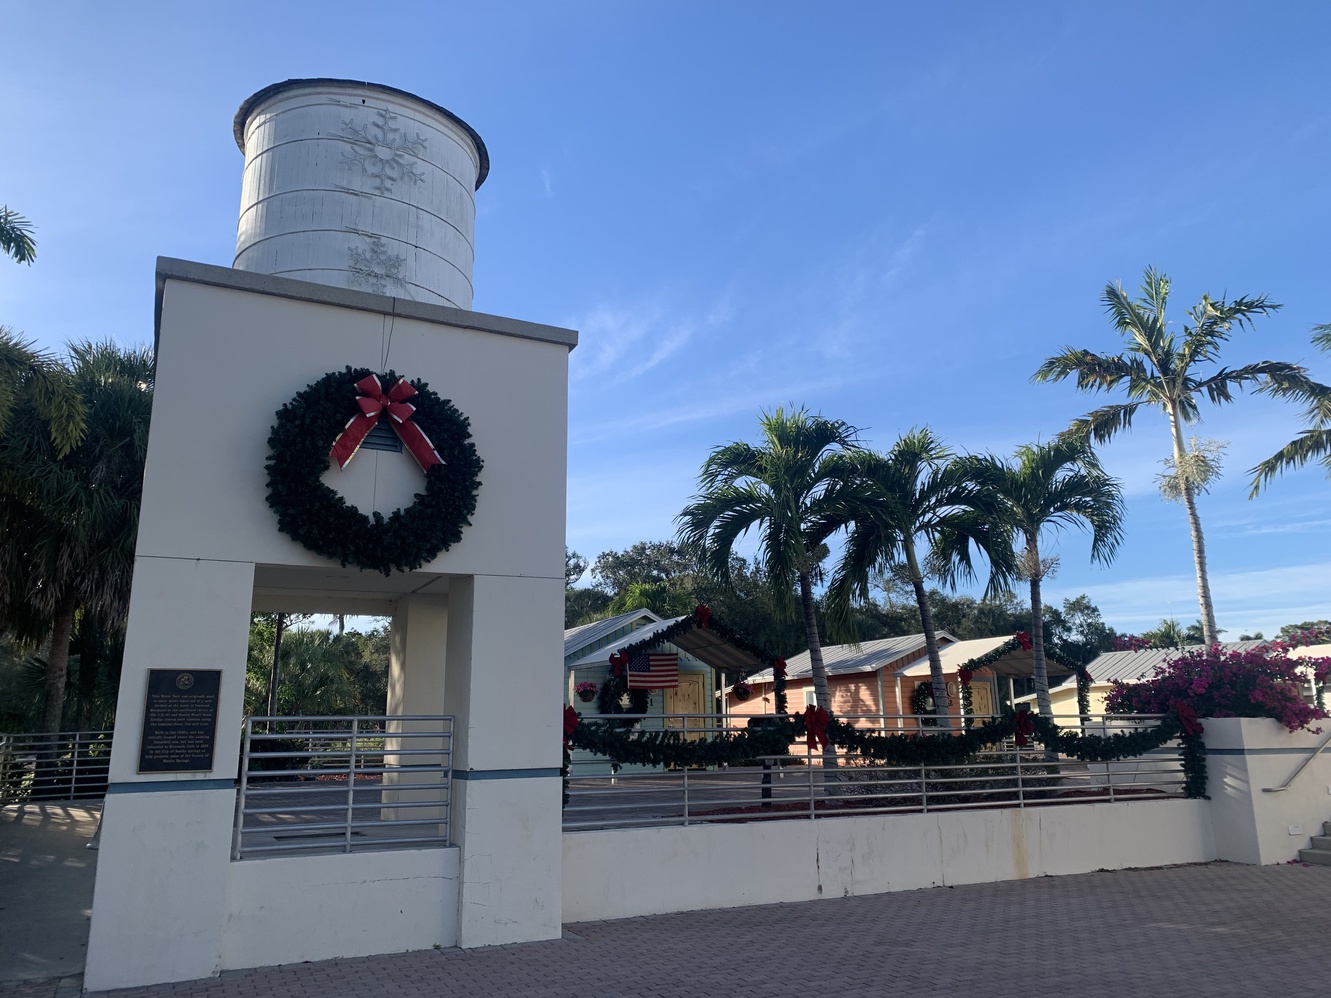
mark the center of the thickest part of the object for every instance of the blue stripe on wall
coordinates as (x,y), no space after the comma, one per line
(159,786)
(504,774)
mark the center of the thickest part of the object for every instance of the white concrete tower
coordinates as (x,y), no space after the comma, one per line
(359,186)
(354,251)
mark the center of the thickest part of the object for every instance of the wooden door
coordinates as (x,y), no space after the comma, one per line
(982,697)
(687,698)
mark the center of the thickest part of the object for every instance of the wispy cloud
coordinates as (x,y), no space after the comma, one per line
(618,343)
(699,404)
(1269,597)
(546,185)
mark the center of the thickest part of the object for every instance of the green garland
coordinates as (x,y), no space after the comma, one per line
(775,734)
(967,701)
(671,748)
(317,517)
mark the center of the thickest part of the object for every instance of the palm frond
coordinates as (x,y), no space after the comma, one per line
(1102,424)
(16,236)
(1313,444)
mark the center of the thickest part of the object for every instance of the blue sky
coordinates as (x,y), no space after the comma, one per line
(889,212)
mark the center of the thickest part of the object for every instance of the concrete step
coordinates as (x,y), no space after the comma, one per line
(1321,842)
(1322,857)
(1326,828)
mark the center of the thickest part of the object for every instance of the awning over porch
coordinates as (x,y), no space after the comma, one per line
(1001,656)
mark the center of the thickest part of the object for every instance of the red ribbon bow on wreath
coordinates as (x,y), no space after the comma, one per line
(703,615)
(374,403)
(1025,727)
(815,726)
(964,676)
(570,723)
(779,668)
(1024,640)
(1187,719)
(618,662)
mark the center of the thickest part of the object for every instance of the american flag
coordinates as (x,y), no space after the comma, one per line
(654,671)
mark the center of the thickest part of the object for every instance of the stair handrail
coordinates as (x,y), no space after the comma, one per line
(1302,766)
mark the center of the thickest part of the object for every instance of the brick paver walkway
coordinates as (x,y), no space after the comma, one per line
(1206,931)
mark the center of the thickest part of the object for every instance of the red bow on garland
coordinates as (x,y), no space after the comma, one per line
(964,676)
(815,726)
(570,723)
(703,615)
(1187,719)
(618,662)
(1024,640)
(374,403)
(1025,727)
(779,668)
(1085,677)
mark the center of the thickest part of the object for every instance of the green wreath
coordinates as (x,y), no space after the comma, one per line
(922,702)
(317,517)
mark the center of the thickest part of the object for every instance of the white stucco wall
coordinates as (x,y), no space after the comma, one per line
(229,359)
(1246,755)
(295,908)
(726,866)
(232,349)
(161,887)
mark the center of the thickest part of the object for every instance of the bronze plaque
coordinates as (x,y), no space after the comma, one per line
(180,720)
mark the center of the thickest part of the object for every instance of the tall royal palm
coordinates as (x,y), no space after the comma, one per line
(68,520)
(790,488)
(1163,369)
(1314,443)
(1049,487)
(921,507)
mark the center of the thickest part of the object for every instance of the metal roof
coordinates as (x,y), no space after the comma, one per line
(702,643)
(1017,662)
(588,634)
(1129,666)
(867,656)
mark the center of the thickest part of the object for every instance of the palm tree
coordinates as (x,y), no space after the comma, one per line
(16,236)
(1056,485)
(34,380)
(791,489)
(1160,368)
(925,509)
(1314,443)
(69,518)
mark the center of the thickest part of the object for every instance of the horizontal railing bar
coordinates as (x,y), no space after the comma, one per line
(377,806)
(288,718)
(264,775)
(339,737)
(320,826)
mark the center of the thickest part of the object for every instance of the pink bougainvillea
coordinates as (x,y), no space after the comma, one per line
(1262,682)
(1131,642)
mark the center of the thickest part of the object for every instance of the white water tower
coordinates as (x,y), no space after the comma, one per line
(359,186)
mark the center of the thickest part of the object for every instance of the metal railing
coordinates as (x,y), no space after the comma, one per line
(798,785)
(343,784)
(70,765)
(1307,761)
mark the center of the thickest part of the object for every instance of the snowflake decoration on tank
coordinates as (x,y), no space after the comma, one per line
(376,269)
(383,152)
